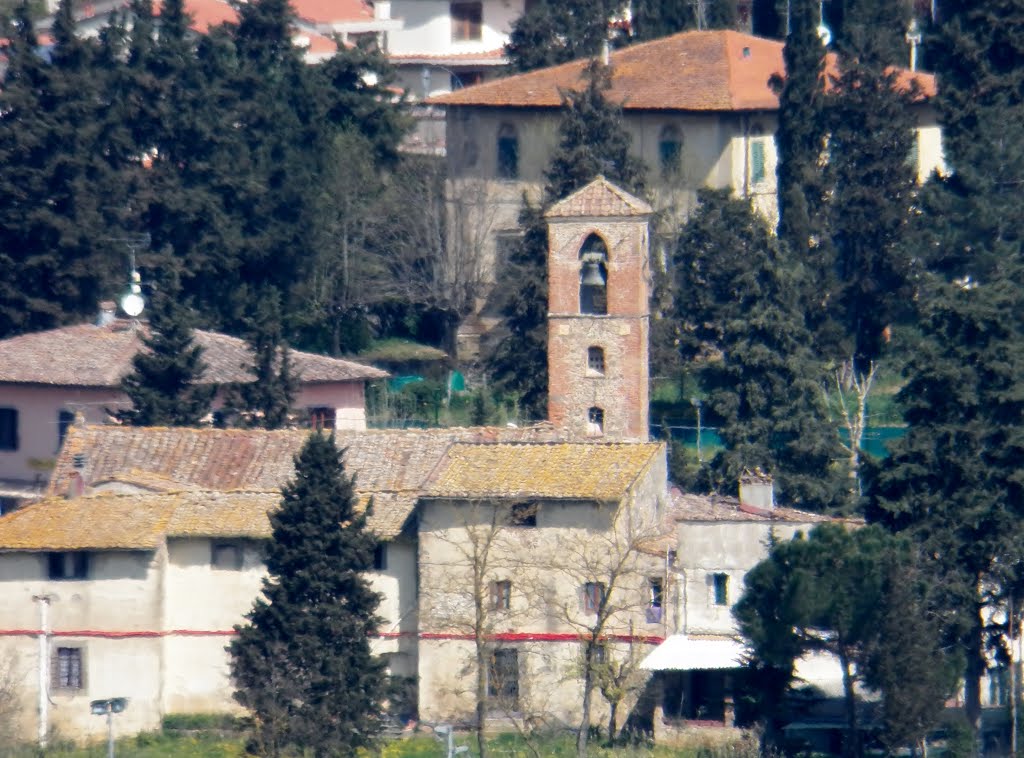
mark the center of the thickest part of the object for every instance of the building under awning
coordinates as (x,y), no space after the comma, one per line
(682,652)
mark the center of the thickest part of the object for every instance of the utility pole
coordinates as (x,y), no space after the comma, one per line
(44,665)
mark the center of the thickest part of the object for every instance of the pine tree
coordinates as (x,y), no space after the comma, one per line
(302,662)
(742,331)
(952,482)
(592,140)
(163,385)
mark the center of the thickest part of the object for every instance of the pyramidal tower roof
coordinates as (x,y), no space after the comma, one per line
(599,199)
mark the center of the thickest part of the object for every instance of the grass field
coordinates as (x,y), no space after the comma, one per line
(204,745)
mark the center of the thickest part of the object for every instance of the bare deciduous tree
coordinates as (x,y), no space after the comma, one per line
(852,390)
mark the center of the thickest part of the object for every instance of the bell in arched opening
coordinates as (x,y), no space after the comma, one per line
(594,276)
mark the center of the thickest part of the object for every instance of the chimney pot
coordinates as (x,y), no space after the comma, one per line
(107,314)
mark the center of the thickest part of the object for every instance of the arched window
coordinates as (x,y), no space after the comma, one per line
(670,151)
(508,152)
(595,422)
(595,361)
(594,276)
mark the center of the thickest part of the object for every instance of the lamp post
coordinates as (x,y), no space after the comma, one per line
(108,708)
(696,402)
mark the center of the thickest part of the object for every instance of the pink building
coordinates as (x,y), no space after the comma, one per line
(48,378)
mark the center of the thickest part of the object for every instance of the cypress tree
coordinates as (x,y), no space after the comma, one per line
(592,140)
(557,31)
(518,360)
(801,133)
(743,333)
(267,400)
(302,662)
(163,385)
(871,175)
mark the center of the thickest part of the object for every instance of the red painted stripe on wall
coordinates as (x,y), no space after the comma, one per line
(439,636)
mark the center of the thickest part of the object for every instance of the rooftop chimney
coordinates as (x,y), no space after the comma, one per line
(756,490)
(107,314)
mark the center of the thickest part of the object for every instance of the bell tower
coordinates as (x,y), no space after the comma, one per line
(599,313)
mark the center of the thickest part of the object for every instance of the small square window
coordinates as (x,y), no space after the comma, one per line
(721,587)
(523,514)
(226,556)
(595,422)
(67,670)
(65,566)
(467,21)
(501,595)
(595,361)
(8,428)
(321,417)
(380,557)
(593,597)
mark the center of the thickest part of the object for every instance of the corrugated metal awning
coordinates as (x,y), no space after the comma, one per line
(681,652)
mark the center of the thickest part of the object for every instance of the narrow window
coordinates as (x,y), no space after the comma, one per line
(501,595)
(64,421)
(226,556)
(594,276)
(593,596)
(508,152)
(380,557)
(757,167)
(67,670)
(69,566)
(503,678)
(8,428)
(721,585)
(670,151)
(656,589)
(321,417)
(467,21)
(523,514)
(595,361)
(595,422)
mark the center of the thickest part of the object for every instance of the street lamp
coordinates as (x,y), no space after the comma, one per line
(108,708)
(696,402)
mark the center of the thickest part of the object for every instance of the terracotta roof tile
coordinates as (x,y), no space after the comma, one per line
(87,355)
(390,465)
(333,11)
(598,199)
(564,471)
(691,507)
(720,70)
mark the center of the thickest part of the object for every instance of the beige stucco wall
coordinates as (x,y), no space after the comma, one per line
(716,152)
(720,547)
(573,543)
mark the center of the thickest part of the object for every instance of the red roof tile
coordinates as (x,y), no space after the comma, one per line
(333,11)
(87,355)
(719,70)
(600,198)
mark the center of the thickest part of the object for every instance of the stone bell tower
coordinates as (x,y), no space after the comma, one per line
(599,313)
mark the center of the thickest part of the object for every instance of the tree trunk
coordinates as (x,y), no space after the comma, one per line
(588,688)
(851,746)
(975,671)
(481,697)
(614,709)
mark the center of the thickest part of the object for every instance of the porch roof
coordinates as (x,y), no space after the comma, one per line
(681,652)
